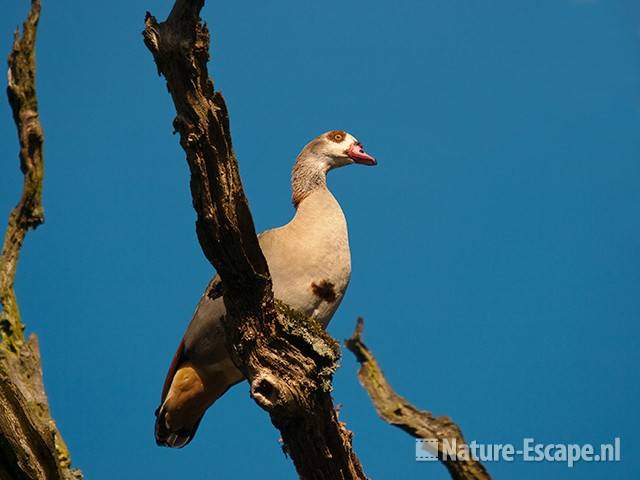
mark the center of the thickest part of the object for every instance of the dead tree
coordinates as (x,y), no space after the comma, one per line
(31,446)
(288,360)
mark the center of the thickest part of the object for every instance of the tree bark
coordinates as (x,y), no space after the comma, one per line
(288,359)
(398,412)
(31,446)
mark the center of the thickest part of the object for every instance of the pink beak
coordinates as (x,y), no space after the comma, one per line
(357,154)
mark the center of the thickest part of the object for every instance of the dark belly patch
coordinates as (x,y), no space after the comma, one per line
(215,291)
(325,290)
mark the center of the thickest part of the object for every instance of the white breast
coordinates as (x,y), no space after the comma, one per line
(309,258)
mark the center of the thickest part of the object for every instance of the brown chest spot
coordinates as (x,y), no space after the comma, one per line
(324,290)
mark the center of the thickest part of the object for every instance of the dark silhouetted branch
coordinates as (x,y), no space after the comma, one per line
(31,446)
(398,412)
(289,361)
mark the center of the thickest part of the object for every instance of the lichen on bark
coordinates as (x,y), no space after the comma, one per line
(31,446)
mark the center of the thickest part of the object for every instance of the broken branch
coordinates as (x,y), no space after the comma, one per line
(398,412)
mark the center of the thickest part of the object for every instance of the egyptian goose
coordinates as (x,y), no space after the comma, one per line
(310,265)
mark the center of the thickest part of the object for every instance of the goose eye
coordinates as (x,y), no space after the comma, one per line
(336,136)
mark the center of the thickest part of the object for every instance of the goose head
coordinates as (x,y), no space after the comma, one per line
(330,150)
(336,149)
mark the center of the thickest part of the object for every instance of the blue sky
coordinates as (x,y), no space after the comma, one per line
(495,246)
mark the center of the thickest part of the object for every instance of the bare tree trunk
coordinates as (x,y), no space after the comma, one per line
(400,413)
(288,360)
(31,446)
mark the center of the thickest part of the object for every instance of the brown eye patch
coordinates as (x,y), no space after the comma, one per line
(336,136)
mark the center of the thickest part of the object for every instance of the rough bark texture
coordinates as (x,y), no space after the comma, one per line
(31,446)
(400,413)
(288,360)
